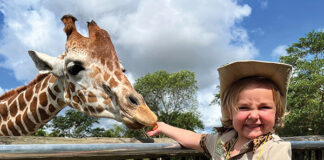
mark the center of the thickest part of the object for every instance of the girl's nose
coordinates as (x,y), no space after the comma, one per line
(254,115)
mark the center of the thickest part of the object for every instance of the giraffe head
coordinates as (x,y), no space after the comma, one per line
(92,77)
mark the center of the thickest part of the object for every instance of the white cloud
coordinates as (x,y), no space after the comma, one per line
(148,35)
(279,51)
(2,91)
(106,123)
(210,114)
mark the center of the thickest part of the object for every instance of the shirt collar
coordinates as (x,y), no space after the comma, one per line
(228,139)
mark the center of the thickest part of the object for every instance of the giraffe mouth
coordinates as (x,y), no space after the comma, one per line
(141,117)
(132,124)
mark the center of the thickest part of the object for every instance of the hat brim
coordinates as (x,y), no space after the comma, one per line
(279,73)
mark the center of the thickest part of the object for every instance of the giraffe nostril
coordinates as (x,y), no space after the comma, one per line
(133,100)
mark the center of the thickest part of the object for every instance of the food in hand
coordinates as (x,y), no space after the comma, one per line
(155,127)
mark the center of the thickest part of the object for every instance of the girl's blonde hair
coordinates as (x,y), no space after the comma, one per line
(230,97)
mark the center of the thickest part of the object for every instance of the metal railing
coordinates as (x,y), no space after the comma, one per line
(301,150)
(307,150)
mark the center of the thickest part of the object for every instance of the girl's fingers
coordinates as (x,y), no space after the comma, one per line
(152,133)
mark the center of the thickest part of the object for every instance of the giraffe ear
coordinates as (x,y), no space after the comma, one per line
(47,64)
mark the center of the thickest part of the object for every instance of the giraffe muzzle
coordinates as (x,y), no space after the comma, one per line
(141,114)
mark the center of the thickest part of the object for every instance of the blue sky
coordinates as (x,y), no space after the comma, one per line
(159,35)
(281,23)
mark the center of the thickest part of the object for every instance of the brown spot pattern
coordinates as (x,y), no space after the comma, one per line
(13,109)
(118,75)
(52,79)
(33,107)
(29,94)
(44,116)
(81,95)
(107,102)
(72,87)
(4,130)
(21,101)
(106,76)
(103,95)
(11,99)
(51,94)
(113,83)
(102,61)
(117,64)
(4,112)
(43,99)
(21,126)
(13,129)
(110,66)
(68,95)
(76,99)
(57,89)
(99,70)
(100,109)
(92,97)
(45,83)
(38,85)
(95,71)
(92,110)
(86,111)
(30,124)
(51,108)
(76,106)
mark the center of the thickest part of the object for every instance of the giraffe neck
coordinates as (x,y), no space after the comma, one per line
(27,109)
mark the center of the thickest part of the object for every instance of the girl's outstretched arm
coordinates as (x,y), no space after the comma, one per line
(186,138)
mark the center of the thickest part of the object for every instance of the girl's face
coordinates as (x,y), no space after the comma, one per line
(256,110)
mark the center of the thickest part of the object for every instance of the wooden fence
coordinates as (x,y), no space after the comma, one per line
(49,148)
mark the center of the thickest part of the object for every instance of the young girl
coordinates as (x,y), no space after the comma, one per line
(253,100)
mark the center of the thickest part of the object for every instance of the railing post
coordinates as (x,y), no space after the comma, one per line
(319,154)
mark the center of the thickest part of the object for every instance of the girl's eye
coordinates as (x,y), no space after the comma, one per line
(265,107)
(242,108)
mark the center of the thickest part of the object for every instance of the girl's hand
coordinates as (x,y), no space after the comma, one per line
(158,129)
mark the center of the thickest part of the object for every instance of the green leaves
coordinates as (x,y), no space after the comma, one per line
(172,96)
(306,90)
(73,124)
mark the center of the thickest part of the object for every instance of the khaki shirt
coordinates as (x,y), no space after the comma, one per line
(274,148)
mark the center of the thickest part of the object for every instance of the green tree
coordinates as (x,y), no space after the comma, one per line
(171,96)
(41,132)
(72,124)
(187,120)
(115,131)
(306,90)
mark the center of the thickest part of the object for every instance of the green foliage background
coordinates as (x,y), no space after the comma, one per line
(306,91)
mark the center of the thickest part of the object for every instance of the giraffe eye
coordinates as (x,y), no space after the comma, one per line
(75,69)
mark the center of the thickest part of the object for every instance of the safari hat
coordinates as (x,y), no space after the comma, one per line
(279,73)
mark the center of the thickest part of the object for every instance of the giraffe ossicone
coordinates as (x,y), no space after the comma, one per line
(87,77)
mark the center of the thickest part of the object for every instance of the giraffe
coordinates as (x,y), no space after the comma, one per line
(87,77)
